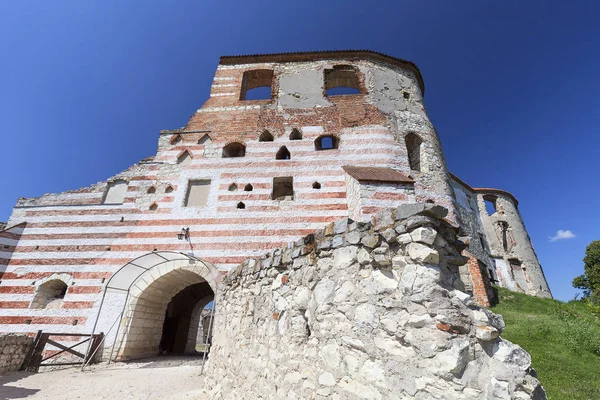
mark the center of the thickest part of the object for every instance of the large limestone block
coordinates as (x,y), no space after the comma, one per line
(422,253)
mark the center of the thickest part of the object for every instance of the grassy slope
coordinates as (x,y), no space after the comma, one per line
(562,338)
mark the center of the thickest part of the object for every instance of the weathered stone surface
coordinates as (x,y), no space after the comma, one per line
(424,235)
(422,253)
(13,350)
(342,326)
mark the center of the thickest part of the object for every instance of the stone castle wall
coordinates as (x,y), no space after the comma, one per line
(363,311)
(13,350)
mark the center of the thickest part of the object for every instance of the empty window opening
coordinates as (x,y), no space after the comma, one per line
(406,95)
(50,295)
(169,189)
(153,207)
(151,190)
(115,192)
(176,139)
(197,193)
(413,148)
(248,188)
(266,136)
(342,79)
(205,140)
(232,187)
(234,149)
(256,85)
(184,158)
(482,241)
(316,185)
(283,154)
(504,234)
(490,204)
(327,142)
(295,135)
(283,188)
(241,205)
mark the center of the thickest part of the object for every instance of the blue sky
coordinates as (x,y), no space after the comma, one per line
(512,88)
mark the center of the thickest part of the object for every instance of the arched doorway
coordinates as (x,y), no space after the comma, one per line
(166,295)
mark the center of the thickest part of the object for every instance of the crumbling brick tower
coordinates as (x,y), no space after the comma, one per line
(246,175)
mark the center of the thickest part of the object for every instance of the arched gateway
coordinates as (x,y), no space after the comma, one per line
(162,295)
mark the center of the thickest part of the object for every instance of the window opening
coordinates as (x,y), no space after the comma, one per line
(153,207)
(50,294)
(248,188)
(151,190)
(232,187)
(342,79)
(234,149)
(283,188)
(241,205)
(283,154)
(490,204)
(169,189)
(504,230)
(266,136)
(197,193)
(115,192)
(295,135)
(327,142)
(316,185)
(413,147)
(256,85)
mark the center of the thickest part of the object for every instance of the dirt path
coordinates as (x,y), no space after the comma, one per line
(157,378)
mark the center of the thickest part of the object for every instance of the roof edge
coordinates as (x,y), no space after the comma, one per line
(484,190)
(325,54)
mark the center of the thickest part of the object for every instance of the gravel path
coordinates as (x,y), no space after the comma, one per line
(155,378)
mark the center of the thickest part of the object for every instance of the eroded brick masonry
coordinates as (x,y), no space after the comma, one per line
(247,176)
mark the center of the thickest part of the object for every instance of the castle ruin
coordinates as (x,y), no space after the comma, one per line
(324,165)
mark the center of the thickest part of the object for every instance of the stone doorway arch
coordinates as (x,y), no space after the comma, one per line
(161,307)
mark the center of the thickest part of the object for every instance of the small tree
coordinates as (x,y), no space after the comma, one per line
(589,282)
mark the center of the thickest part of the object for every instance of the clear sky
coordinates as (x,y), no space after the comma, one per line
(512,87)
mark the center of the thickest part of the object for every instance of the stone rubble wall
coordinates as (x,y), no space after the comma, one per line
(13,350)
(363,311)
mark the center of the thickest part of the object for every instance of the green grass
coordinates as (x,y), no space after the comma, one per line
(562,338)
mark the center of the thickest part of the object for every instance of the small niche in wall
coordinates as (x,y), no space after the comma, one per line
(176,139)
(205,140)
(154,207)
(295,135)
(115,192)
(233,187)
(266,136)
(316,185)
(234,149)
(241,205)
(184,158)
(283,188)
(248,188)
(151,190)
(169,189)
(283,154)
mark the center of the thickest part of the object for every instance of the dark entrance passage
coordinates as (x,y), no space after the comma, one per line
(181,331)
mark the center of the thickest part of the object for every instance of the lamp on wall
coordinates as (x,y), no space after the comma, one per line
(184,234)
